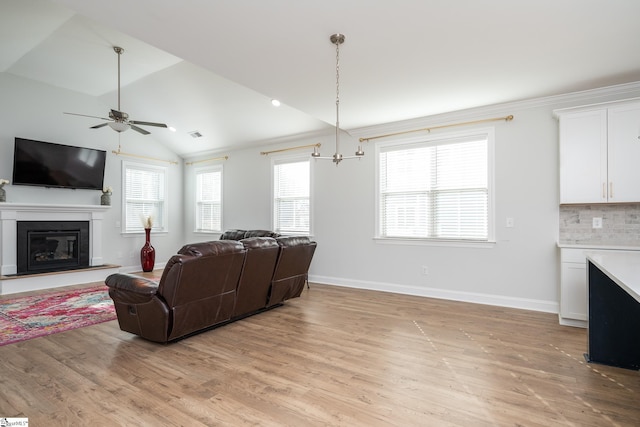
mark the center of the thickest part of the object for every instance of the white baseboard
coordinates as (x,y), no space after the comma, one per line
(136,268)
(471,297)
(572,322)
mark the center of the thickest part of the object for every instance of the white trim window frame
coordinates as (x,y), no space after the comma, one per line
(144,194)
(291,195)
(208,199)
(436,189)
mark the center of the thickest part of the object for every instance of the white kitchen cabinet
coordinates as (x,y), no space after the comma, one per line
(599,149)
(573,287)
(583,156)
(624,153)
(574,290)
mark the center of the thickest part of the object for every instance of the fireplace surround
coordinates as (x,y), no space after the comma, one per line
(12,213)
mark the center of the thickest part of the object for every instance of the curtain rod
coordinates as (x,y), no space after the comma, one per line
(120,153)
(207,160)
(265,153)
(429,129)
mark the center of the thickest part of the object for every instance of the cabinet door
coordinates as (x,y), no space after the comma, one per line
(624,153)
(583,157)
(573,291)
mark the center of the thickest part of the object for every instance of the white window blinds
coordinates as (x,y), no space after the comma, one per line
(291,189)
(209,199)
(144,194)
(435,190)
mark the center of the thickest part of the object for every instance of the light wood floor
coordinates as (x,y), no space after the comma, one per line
(335,356)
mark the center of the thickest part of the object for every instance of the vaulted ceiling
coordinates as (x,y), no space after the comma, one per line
(214,66)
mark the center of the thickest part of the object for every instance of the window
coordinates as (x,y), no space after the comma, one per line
(144,195)
(436,189)
(291,201)
(209,199)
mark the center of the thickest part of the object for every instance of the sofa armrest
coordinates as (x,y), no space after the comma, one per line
(132,283)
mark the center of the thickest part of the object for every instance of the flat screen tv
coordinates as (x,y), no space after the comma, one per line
(55,165)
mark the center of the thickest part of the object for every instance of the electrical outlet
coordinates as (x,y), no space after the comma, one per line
(597,222)
(510,222)
(425,270)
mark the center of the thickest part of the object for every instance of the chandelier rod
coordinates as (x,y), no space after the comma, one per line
(337,39)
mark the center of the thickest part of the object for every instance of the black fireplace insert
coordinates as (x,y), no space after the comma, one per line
(45,246)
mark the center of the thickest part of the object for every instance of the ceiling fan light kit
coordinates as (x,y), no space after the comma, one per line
(119,120)
(119,126)
(337,39)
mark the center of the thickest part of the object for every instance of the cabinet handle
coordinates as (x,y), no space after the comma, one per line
(611,190)
(604,190)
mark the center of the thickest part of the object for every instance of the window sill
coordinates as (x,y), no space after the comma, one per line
(484,244)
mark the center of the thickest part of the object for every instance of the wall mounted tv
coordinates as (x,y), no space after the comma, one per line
(47,164)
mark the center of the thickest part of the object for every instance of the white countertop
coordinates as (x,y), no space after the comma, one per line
(622,267)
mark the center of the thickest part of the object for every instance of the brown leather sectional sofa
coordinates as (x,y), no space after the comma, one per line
(212,283)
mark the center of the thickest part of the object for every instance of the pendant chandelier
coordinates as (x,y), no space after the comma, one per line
(337,39)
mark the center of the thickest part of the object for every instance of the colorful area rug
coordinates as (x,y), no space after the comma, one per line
(34,316)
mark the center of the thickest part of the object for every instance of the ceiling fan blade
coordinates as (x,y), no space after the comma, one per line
(98,126)
(136,122)
(137,129)
(84,115)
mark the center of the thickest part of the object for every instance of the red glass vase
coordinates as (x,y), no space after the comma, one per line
(147,253)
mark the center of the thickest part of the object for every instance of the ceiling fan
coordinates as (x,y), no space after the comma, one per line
(119,120)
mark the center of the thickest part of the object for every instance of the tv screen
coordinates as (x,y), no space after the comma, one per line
(55,165)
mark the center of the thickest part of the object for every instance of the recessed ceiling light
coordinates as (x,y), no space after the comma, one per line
(275,102)
(172,129)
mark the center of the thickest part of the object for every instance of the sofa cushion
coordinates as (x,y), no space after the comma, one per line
(260,233)
(245,234)
(289,241)
(233,235)
(290,274)
(253,289)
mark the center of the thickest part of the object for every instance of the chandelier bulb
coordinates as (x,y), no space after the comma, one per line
(316,152)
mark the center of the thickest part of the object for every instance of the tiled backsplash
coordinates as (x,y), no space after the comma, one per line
(620,224)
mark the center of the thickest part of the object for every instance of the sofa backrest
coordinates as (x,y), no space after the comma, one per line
(199,284)
(259,263)
(245,234)
(292,268)
(233,235)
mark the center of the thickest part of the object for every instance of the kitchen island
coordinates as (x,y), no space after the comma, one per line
(614,309)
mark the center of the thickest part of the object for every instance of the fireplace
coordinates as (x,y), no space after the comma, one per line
(44,246)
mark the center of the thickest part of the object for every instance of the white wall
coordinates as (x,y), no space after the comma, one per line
(35,111)
(520,270)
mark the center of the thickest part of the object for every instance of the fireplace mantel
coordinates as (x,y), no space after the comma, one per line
(39,207)
(11,213)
